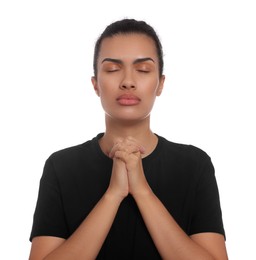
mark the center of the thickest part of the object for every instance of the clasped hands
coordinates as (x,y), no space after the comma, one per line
(127,172)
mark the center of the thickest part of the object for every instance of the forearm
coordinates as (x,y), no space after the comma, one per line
(87,240)
(171,241)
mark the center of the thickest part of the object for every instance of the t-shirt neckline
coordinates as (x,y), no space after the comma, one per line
(149,157)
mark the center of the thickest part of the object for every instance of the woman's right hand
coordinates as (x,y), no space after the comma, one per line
(118,186)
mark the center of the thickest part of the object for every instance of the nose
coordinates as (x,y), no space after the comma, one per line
(128,81)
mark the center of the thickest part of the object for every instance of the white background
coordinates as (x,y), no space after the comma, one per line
(47,102)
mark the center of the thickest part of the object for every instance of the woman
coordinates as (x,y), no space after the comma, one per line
(128,193)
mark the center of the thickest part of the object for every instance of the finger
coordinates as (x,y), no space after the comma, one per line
(142,149)
(131,140)
(129,149)
(129,145)
(116,147)
(121,155)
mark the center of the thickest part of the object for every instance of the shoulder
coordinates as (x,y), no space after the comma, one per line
(74,153)
(71,161)
(190,162)
(186,158)
(184,151)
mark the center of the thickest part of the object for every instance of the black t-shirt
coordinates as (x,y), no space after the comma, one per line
(74,180)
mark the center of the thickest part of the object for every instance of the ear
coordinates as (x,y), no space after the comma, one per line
(161,85)
(95,85)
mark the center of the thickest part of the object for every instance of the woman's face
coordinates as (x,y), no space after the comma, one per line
(128,78)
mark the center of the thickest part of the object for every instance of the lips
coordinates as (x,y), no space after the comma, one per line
(128,100)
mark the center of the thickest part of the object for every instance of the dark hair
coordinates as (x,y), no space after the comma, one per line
(127,26)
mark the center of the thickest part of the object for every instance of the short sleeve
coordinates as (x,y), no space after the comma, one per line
(49,217)
(207,215)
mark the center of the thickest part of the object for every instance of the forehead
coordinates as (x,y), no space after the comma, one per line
(128,46)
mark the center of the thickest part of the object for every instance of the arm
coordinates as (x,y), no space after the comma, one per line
(86,241)
(171,241)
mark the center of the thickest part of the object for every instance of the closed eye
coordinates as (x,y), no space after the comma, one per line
(112,70)
(110,67)
(143,71)
(143,67)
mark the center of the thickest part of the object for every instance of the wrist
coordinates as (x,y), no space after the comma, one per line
(142,194)
(113,197)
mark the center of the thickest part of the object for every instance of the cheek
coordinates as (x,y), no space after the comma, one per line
(106,83)
(106,92)
(151,87)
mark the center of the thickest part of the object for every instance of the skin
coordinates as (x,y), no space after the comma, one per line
(128,64)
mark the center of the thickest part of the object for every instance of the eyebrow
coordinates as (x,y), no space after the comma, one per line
(140,60)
